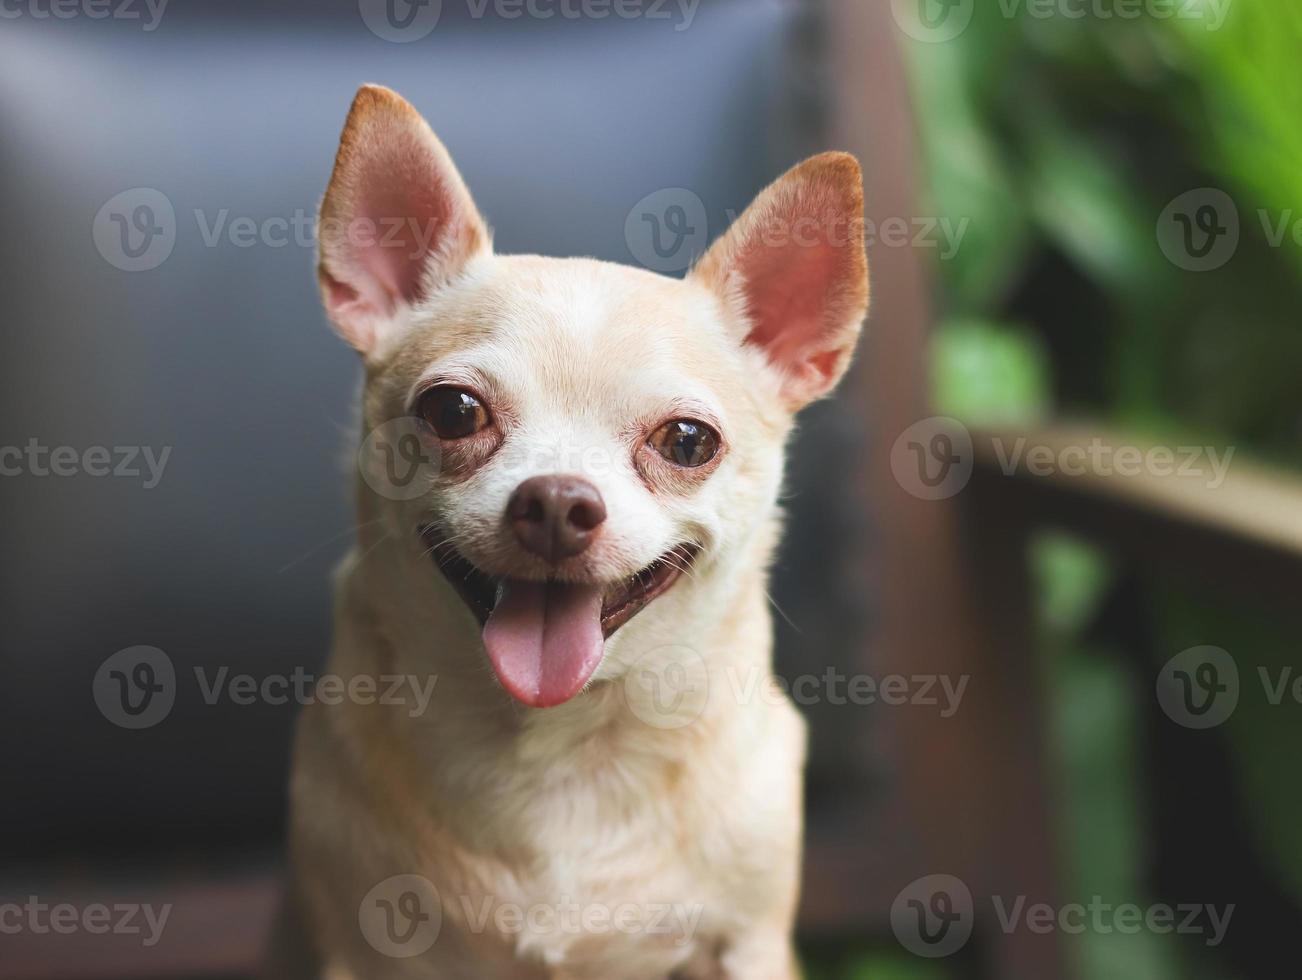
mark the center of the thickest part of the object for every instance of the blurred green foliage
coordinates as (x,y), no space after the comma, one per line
(1064,141)
(1061,142)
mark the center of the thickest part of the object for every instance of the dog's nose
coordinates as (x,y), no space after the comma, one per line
(556,517)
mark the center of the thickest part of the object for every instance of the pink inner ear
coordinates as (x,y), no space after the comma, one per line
(795,264)
(801,298)
(788,297)
(409,225)
(401,215)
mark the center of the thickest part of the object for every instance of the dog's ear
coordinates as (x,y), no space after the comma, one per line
(396,221)
(793,272)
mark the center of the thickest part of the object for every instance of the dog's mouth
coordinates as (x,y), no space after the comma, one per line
(546,638)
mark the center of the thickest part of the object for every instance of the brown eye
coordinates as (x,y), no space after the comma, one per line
(453,413)
(685,442)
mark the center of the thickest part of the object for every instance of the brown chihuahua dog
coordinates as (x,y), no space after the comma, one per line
(581,566)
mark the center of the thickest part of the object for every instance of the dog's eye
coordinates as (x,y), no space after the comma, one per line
(453,413)
(685,442)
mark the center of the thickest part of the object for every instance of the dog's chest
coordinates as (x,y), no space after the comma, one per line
(603,870)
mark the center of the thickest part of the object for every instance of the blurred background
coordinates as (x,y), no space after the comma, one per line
(1050,532)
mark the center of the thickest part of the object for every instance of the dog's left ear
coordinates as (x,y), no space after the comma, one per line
(793,272)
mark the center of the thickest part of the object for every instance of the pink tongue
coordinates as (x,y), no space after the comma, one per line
(544,640)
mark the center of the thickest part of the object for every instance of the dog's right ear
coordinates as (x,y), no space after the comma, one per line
(396,222)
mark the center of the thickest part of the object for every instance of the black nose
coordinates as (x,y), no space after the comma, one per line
(556,517)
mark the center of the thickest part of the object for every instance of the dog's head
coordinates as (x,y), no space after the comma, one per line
(602,442)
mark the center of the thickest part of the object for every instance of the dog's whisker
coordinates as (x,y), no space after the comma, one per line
(328,541)
(781,612)
(376,544)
